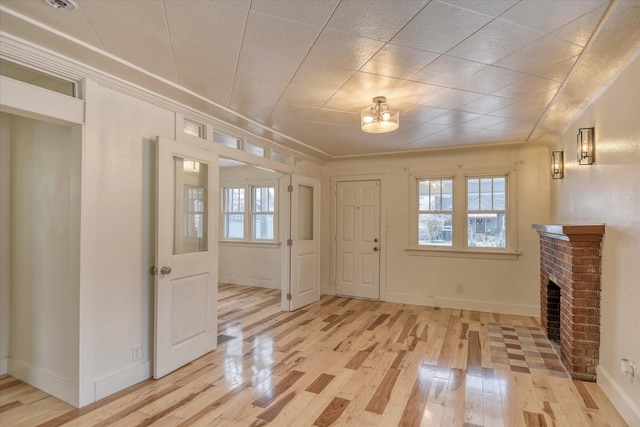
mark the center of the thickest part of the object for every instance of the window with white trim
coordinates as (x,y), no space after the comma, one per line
(486,212)
(463,211)
(250,220)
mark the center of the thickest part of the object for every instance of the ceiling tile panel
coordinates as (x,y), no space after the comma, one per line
(398,61)
(314,12)
(526,86)
(320,76)
(423,114)
(306,95)
(451,99)
(139,36)
(203,70)
(75,24)
(488,80)
(377,20)
(358,92)
(559,71)
(439,27)
(540,55)
(486,104)
(342,50)
(547,16)
(273,48)
(490,8)
(579,31)
(494,42)
(291,111)
(455,118)
(485,121)
(447,71)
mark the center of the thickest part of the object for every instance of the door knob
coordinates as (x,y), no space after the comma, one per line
(375,249)
(165,270)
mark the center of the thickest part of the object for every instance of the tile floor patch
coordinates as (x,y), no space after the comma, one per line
(523,349)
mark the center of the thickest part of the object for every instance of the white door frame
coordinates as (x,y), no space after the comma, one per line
(383,227)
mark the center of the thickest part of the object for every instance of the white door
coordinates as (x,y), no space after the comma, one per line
(186,257)
(358,239)
(304,242)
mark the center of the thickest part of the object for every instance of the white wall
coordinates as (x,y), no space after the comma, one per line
(118,238)
(5,230)
(44,255)
(609,192)
(265,260)
(507,286)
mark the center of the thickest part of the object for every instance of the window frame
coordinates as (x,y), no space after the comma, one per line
(249,212)
(460,210)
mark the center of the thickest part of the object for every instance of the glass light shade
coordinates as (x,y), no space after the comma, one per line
(557,165)
(586,146)
(380,117)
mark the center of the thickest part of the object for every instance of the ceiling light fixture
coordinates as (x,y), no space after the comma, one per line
(61,4)
(380,117)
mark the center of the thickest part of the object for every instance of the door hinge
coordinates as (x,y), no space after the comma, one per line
(290,189)
(289,242)
(288,297)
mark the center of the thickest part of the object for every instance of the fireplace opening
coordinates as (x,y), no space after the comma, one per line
(553,312)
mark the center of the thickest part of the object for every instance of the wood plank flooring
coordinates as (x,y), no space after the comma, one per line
(341,362)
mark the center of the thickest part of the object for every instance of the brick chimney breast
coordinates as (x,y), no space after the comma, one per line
(570,268)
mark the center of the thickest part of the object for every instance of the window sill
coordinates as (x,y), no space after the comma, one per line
(249,244)
(455,253)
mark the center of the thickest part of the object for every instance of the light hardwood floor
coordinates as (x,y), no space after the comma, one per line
(336,362)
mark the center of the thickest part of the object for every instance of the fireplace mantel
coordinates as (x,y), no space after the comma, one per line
(571,232)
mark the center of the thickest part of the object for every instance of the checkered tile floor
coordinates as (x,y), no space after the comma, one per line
(523,349)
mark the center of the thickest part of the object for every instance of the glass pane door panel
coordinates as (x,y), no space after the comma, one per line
(191,206)
(305,212)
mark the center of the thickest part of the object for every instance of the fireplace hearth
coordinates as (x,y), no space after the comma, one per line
(570,268)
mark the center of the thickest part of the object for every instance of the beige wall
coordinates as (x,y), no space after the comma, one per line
(506,286)
(609,192)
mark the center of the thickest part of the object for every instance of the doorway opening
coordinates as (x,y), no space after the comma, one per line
(40,255)
(251,243)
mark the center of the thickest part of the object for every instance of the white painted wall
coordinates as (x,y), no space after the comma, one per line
(5,230)
(265,261)
(609,192)
(503,286)
(44,255)
(118,238)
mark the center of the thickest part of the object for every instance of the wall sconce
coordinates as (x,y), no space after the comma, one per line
(557,164)
(586,146)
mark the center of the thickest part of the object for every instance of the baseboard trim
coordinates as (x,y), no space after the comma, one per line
(623,403)
(249,281)
(45,381)
(113,383)
(4,366)
(462,304)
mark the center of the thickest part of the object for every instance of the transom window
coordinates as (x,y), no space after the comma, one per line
(249,220)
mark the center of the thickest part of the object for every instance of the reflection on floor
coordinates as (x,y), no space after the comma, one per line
(343,362)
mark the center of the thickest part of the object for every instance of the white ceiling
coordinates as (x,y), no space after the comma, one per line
(462,72)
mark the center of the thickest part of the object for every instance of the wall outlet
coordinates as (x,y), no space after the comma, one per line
(136,352)
(459,288)
(629,368)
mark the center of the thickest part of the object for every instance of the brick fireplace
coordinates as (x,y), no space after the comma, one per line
(570,267)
